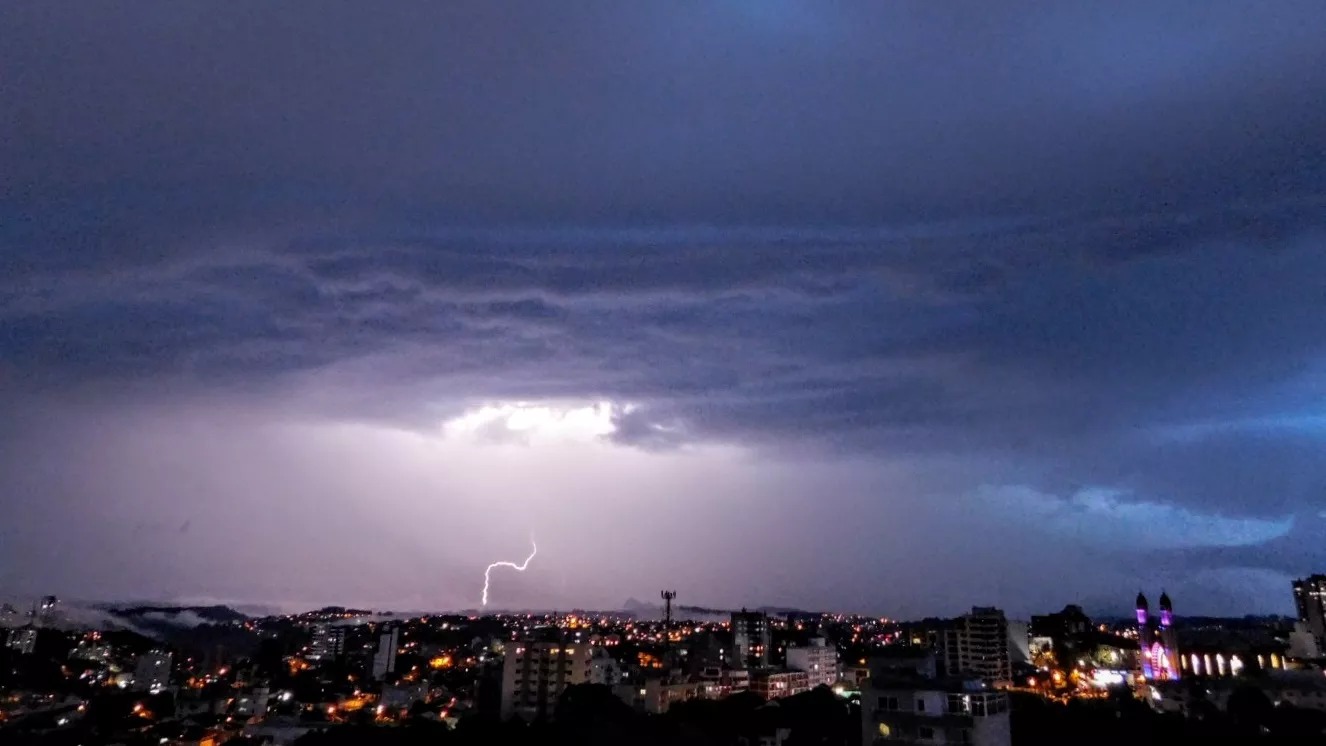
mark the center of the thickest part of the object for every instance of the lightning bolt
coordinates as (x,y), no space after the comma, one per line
(534,549)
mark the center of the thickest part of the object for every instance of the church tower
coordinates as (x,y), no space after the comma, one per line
(1156,640)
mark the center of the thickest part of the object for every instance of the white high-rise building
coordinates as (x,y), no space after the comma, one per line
(22,640)
(328,643)
(152,672)
(976,644)
(818,660)
(384,658)
(535,674)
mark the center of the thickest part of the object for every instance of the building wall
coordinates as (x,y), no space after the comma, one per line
(1303,643)
(535,674)
(819,661)
(1303,689)
(751,638)
(655,696)
(384,658)
(776,684)
(22,640)
(1310,599)
(604,669)
(328,642)
(1019,642)
(976,644)
(930,714)
(992,730)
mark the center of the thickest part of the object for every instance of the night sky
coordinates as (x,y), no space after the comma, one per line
(872,306)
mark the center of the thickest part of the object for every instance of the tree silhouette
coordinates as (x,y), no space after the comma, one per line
(1250,710)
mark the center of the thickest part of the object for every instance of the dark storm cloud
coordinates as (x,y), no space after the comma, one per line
(863,346)
(1079,248)
(718,110)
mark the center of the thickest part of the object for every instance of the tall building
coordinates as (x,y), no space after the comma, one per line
(1310,598)
(818,660)
(152,672)
(384,658)
(1070,623)
(1302,643)
(47,610)
(1019,642)
(535,674)
(1156,640)
(704,650)
(904,702)
(975,644)
(604,669)
(328,643)
(751,639)
(772,684)
(22,640)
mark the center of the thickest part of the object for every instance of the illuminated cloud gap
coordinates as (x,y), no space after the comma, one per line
(518,568)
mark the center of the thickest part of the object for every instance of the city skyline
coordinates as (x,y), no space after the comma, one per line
(890,308)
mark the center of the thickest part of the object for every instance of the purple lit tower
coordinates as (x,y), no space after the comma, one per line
(1155,639)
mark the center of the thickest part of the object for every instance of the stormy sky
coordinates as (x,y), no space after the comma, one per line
(874,306)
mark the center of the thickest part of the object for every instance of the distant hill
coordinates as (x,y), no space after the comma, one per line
(653,612)
(643,610)
(191,630)
(154,620)
(154,616)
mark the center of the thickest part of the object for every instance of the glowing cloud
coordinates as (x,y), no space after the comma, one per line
(528,422)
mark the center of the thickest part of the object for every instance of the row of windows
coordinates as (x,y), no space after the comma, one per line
(546,666)
(888,733)
(895,704)
(978,705)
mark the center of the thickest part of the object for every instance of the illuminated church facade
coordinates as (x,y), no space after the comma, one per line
(1156,641)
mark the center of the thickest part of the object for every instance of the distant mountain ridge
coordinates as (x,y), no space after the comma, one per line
(155,620)
(643,610)
(177,616)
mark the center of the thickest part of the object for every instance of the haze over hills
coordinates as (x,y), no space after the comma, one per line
(644,610)
(151,620)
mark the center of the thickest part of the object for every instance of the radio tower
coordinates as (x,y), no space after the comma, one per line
(667,626)
(667,608)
